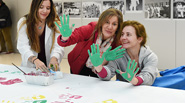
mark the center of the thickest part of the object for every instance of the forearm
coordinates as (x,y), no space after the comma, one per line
(101,71)
(54,59)
(57,52)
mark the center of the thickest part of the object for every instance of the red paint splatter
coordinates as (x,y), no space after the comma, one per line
(11,81)
(75,96)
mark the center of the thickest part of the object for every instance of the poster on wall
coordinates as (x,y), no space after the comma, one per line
(179,9)
(157,9)
(134,5)
(73,9)
(114,4)
(58,7)
(91,9)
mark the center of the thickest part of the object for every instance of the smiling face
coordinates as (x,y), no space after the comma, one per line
(110,27)
(129,38)
(44,10)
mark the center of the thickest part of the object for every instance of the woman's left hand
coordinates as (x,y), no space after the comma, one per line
(130,73)
(54,63)
(114,54)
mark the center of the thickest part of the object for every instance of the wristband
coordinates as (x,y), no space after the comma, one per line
(34,60)
(64,41)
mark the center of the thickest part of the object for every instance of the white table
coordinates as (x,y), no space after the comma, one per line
(81,89)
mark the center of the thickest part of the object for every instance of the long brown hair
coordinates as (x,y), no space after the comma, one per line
(102,20)
(32,19)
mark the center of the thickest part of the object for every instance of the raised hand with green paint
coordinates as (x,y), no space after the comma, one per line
(96,60)
(114,54)
(65,30)
(130,71)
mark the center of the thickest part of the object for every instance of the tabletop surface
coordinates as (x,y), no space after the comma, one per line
(79,89)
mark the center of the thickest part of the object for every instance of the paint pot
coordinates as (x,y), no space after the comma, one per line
(40,78)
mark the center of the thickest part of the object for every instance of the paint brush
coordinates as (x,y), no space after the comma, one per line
(19,68)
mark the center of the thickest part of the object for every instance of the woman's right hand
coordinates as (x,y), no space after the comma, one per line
(94,55)
(40,65)
(65,30)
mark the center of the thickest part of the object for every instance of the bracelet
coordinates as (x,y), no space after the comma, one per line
(30,59)
(34,60)
(64,41)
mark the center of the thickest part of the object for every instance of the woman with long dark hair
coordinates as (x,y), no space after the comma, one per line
(37,36)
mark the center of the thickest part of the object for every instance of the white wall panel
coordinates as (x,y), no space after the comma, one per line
(180,42)
(161,39)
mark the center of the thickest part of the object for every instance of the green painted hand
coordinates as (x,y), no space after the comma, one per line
(114,54)
(129,74)
(64,29)
(95,56)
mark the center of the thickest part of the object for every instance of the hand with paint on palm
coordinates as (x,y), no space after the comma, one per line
(114,54)
(64,28)
(130,71)
(96,60)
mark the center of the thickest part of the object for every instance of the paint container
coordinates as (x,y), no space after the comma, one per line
(57,74)
(40,78)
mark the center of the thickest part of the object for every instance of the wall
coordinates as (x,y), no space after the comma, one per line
(165,37)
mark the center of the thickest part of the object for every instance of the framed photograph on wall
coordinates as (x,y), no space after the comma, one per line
(155,9)
(58,7)
(179,9)
(114,4)
(91,9)
(134,5)
(73,9)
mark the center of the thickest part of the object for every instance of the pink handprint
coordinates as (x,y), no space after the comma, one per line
(11,81)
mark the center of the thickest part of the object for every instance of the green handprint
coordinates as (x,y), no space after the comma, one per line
(64,29)
(114,54)
(40,101)
(95,57)
(129,74)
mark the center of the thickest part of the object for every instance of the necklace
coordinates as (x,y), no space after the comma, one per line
(39,27)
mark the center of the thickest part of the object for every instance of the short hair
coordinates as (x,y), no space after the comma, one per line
(139,28)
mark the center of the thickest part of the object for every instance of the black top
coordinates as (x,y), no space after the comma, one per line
(42,54)
(5,14)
